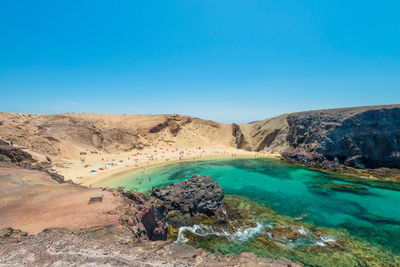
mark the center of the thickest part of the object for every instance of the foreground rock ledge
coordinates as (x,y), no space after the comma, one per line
(108,245)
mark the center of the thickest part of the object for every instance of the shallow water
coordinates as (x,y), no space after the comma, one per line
(370,213)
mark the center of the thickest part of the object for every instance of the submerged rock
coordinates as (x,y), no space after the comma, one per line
(200,194)
(333,245)
(327,245)
(285,233)
(346,187)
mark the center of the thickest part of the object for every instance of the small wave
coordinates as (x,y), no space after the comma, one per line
(324,239)
(247,233)
(319,243)
(205,230)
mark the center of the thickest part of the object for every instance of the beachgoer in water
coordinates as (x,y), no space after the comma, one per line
(298,218)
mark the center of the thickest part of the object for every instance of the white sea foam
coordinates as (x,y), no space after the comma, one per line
(323,239)
(247,233)
(206,230)
(302,231)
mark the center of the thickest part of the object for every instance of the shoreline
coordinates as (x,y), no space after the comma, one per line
(135,170)
(82,175)
(106,167)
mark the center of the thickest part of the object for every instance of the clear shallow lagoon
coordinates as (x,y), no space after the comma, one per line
(368,213)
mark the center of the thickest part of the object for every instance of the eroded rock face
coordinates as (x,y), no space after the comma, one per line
(369,139)
(17,156)
(13,154)
(200,194)
(144,216)
(237,134)
(360,137)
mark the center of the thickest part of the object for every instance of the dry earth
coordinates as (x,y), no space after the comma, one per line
(32,201)
(65,137)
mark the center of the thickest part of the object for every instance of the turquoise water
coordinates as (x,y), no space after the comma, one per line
(371,213)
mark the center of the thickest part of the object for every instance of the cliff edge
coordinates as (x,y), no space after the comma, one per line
(360,137)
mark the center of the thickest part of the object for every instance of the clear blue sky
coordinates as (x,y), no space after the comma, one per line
(221,60)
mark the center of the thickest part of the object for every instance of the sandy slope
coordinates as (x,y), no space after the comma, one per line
(77,144)
(65,137)
(31,201)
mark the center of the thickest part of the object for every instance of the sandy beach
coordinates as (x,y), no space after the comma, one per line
(93,169)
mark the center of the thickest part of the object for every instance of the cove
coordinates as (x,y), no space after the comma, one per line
(363,210)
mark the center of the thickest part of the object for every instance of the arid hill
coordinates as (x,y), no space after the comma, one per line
(360,137)
(68,136)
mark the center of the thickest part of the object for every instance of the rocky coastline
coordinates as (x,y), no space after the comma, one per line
(141,229)
(141,238)
(363,141)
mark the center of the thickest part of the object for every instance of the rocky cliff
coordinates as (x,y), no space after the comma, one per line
(361,137)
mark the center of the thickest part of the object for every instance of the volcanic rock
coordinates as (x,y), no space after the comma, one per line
(13,154)
(359,137)
(9,232)
(200,194)
(111,246)
(144,216)
(285,233)
(237,134)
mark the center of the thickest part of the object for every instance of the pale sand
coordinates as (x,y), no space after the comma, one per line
(142,159)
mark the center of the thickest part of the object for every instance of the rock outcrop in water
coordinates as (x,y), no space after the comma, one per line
(183,200)
(200,194)
(362,137)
